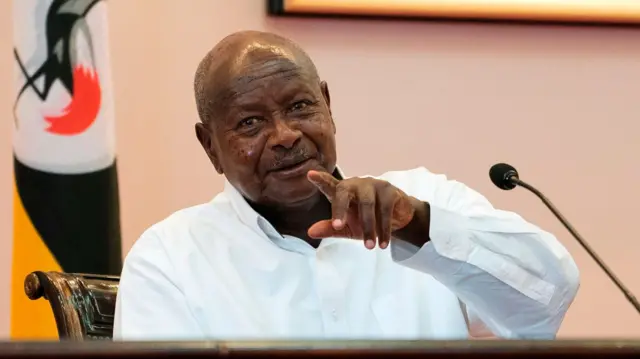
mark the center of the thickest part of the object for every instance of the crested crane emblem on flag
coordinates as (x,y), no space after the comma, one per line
(65,26)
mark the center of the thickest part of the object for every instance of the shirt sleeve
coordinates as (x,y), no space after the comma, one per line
(149,305)
(513,277)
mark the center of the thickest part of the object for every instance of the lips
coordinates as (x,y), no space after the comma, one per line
(289,164)
(293,168)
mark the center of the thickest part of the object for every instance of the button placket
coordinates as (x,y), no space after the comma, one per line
(329,291)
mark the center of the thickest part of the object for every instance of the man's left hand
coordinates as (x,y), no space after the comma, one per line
(362,208)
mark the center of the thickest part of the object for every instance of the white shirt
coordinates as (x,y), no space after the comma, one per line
(220,271)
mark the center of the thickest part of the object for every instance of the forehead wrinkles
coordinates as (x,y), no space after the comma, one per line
(253,72)
(249,75)
(254,61)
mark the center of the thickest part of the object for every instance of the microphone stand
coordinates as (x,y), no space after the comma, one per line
(632,299)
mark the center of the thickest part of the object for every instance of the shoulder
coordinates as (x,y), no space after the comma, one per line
(179,222)
(172,238)
(164,231)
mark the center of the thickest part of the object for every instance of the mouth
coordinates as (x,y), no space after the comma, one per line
(293,168)
(287,165)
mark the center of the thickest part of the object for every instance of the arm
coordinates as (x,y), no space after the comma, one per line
(514,279)
(150,305)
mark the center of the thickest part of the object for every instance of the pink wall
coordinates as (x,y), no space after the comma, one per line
(559,102)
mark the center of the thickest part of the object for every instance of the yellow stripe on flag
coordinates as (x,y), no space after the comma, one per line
(30,319)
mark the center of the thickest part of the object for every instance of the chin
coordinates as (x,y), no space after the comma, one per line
(294,193)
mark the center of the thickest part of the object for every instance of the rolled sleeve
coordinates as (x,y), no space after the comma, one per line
(517,279)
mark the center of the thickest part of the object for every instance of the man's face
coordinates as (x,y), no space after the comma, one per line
(272,126)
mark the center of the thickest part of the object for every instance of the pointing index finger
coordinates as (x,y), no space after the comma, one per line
(325,182)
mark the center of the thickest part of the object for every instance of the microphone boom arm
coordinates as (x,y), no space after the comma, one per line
(632,299)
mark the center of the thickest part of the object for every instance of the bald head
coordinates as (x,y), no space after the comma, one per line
(226,66)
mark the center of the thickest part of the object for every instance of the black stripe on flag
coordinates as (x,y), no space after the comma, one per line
(76,215)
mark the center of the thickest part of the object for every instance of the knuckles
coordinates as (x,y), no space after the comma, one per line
(357,184)
(366,190)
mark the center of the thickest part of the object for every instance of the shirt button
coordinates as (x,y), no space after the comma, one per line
(334,314)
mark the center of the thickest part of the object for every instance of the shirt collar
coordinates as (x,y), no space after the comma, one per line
(249,216)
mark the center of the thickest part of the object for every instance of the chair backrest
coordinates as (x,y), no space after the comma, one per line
(83,304)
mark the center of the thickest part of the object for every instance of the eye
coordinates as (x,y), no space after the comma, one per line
(249,122)
(300,105)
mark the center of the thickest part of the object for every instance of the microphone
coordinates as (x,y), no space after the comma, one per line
(505,177)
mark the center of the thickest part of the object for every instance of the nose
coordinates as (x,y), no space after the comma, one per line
(284,135)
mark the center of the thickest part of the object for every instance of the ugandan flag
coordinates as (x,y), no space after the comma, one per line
(66,215)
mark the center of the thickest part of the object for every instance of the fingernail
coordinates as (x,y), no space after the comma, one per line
(369,243)
(384,245)
(337,224)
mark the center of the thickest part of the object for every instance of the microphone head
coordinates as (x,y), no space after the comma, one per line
(501,175)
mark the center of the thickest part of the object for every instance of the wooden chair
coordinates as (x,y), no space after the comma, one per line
(83,304)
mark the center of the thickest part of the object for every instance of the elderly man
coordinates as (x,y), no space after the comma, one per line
(291,249)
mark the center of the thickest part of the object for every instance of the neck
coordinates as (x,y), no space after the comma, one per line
(296,220)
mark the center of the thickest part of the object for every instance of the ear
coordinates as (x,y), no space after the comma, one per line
(325,93)
(205,137)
